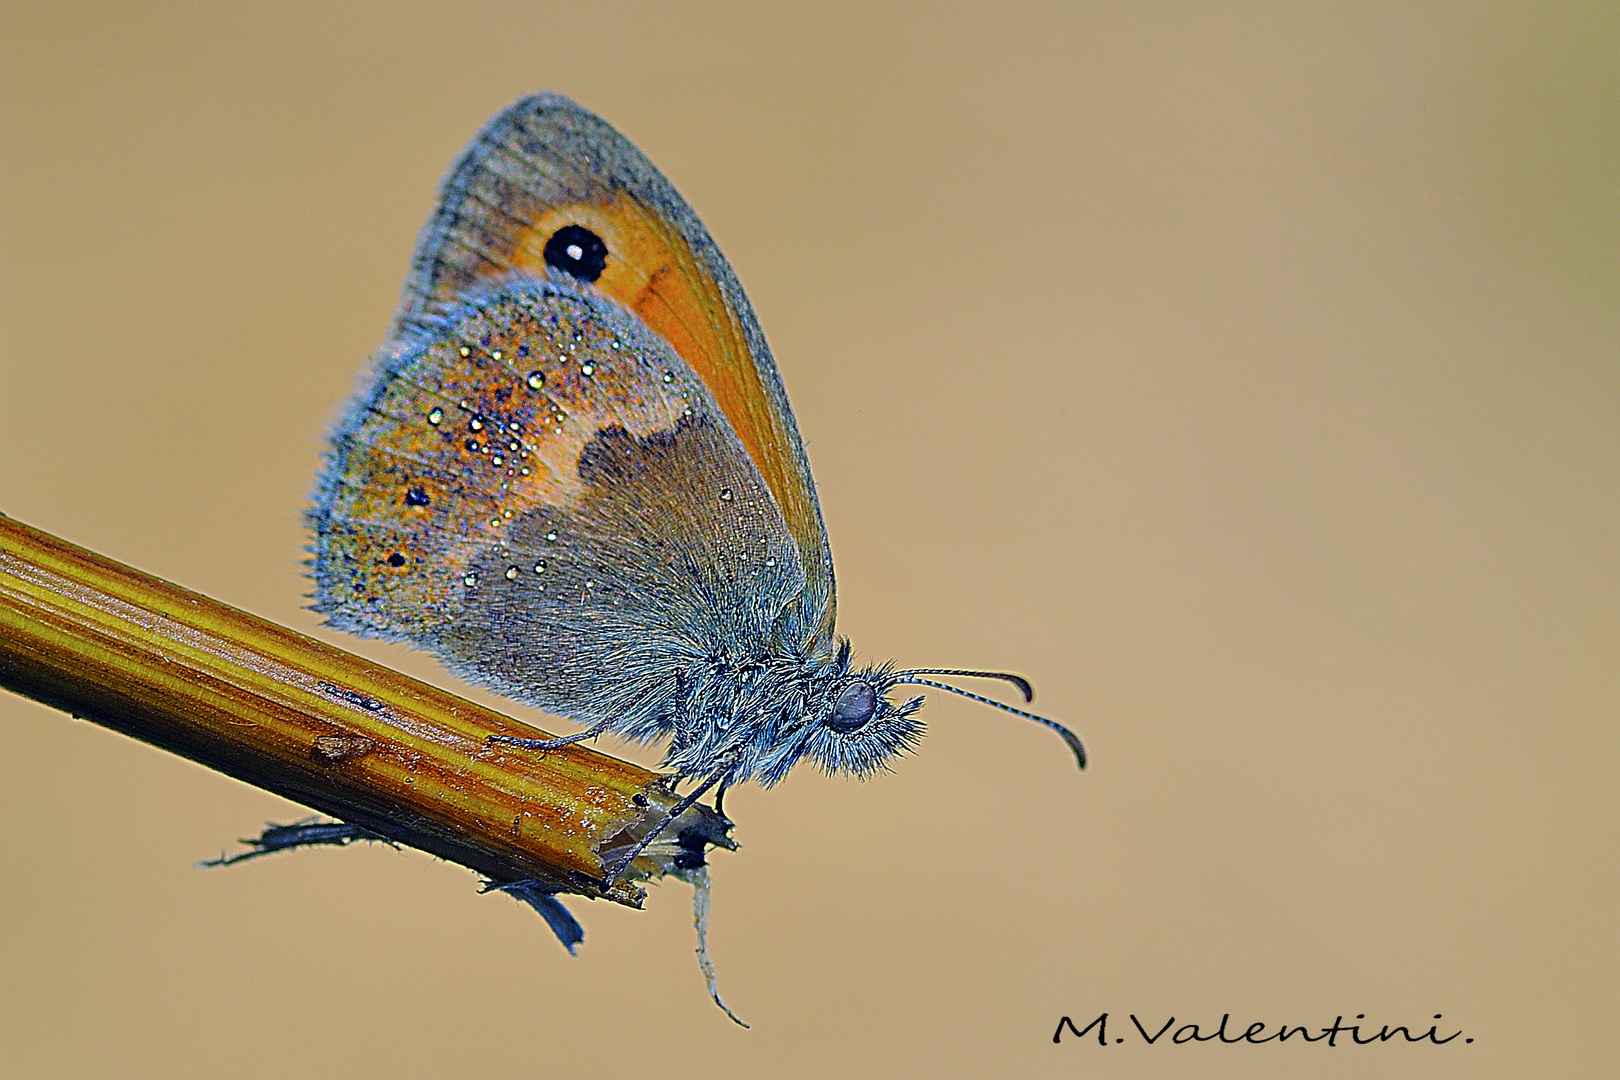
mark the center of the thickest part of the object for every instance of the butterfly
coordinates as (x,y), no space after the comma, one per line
(576,480)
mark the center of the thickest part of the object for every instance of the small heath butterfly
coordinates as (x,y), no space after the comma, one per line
(576,480)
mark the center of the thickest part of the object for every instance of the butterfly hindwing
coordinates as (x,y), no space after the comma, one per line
(544,167)
(542,493)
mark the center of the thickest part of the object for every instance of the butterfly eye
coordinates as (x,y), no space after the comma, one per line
(577,251)
(854,707)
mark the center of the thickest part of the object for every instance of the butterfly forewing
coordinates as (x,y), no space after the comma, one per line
(544,165)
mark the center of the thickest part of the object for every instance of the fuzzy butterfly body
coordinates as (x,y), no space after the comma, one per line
(576,478)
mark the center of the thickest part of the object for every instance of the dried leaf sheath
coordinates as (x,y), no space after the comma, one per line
(321,726)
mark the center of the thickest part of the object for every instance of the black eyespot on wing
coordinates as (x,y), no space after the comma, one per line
(396,560)
(577,251)
(416,497)
(853,708)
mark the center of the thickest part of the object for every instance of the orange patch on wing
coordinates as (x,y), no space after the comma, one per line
(651,270)
(489,422)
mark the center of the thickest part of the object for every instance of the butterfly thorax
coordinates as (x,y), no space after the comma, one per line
(755,720)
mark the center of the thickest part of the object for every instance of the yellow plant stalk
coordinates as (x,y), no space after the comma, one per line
(326,728)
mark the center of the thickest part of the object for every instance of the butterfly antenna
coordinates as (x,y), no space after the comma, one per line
(1006,676)
(1068,736)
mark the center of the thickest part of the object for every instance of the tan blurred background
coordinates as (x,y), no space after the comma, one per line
(1244,374)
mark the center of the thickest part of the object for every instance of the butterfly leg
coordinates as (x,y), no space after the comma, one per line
(675,811)
(311,832)
(551,744)
(544,900)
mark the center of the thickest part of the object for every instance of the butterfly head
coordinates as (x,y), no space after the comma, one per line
(849,721)
(841,718)
(854,727)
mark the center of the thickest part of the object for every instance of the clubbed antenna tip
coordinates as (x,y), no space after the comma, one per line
(1068,736)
